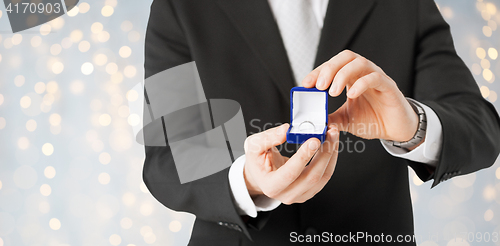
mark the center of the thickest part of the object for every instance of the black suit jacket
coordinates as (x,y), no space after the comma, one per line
(240,55)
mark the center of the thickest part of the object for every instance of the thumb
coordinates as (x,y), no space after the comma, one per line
(263,141)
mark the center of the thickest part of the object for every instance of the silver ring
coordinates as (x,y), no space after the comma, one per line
(306,126)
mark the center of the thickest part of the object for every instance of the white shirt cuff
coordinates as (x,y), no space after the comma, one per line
(428,152)
(244,203)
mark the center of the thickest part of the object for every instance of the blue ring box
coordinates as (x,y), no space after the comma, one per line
(309,105)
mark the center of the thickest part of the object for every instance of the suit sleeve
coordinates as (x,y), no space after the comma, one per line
(471,126)
(209,198)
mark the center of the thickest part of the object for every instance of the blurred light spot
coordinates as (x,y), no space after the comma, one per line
(55,49)
(48,99)
(492,24)
(493,96)
(111,68)
(134,36)
(493,53)
(135,119)
(120,140)
(129,71)
(128,199)
(36,41)
(0,57)
(84,7)
(489,193)
(3,123)
(17,39)
(481,53)
(48,149)
(115,239)
(476,69)
(143,188)
(485,91)
(96,27)
(111,3)
(1,240)
(107,11)
(77,87)
(100,59)
(125,51)
(52,87)
(487,75)
(491,8)
(447,12)
(103,36)
(132,95)
(486,16)
(150,238)
(126,26)
(0,184)
(84,46)
(31,125)
(57,23)
(45,190)
(73,12)
(55,129)
(25,177)
(1,99)
(117,78)
(76,36)
(126,223)
(104,119)
(485,64)
(25,102)
(104,178)
(146,209)
(175,226)
(416,179)
(497,173)
(45,29)
(145,230)
(104,158)
(55,224)
(123,111)
(96,105)
(19,80)
(488,215)
(7,43)
(44,207)
(57,67)
(40,87)
(87,68)
(49,172)
(23,143)
(55,119)
(464,181)
(487,31)
(66,43)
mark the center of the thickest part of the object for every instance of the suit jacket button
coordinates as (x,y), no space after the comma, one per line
(311,231)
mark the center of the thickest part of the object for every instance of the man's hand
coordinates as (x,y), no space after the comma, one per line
(375,107)
(289,180)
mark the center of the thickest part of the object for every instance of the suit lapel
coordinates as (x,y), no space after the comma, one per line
(255,21)
(342,20)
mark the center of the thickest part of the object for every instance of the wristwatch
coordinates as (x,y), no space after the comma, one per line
(419,135)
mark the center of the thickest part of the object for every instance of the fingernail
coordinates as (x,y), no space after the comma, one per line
(320,82)
(333,90)
(306,81)
(313,145)
(351,92)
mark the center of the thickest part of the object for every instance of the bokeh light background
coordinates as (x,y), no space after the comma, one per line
(71,173)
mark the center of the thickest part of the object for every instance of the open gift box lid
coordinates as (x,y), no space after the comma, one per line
(308,115)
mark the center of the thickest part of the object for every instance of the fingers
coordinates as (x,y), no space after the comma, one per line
(373,80)
(322,76)
(263,141)
(317,173)
(348,74)
(292,169)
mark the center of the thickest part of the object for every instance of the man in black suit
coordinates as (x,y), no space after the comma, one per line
(380,51)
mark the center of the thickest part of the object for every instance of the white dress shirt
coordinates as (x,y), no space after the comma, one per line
(428,152)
